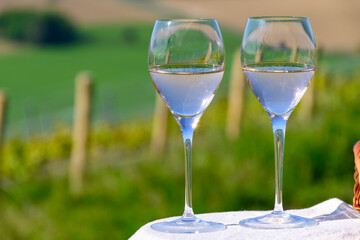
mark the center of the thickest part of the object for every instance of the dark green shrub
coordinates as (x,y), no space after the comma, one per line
(39,28)
(14,24)
(129,35)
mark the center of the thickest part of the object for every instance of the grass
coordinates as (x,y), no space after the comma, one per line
(126,187)
(40,81)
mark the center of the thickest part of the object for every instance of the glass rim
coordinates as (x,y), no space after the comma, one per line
(185,19)
(278,18)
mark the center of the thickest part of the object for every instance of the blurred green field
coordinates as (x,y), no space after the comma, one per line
(126,187)
(40,81)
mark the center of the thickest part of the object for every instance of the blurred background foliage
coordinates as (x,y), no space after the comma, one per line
(126,186)
(36,27)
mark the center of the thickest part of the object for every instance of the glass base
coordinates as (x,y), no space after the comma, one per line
(278,220)
(190,225)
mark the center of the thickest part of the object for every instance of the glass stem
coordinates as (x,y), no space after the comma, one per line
(187,126)
(187,137)
(279,126)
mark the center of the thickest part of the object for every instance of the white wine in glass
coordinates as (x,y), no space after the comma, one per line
(278,87)
(278,56)
(186,65)
(187,90)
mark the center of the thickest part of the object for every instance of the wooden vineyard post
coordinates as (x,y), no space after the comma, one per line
(209,52)
(2,124)
(307,104)
(294,51)
(235,98)
(158,136)
(259,55)
(80,131)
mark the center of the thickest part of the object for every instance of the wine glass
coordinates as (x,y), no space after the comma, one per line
(278,56)
(186,65)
